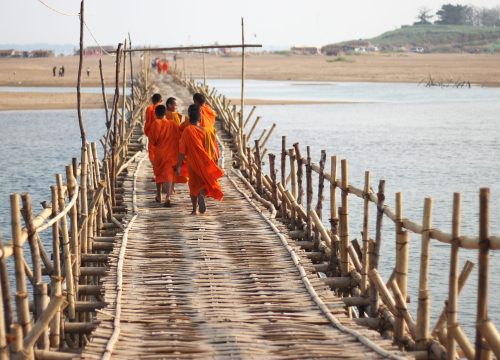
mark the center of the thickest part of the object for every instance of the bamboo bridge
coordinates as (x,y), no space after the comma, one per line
(109,273)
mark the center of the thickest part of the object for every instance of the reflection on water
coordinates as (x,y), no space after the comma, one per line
(425,142)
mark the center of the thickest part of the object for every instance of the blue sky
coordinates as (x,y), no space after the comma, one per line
(164,22)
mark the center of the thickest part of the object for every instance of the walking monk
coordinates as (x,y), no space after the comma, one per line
(165,138)
(203,171)
(208,122)
(150,118)
(174,116)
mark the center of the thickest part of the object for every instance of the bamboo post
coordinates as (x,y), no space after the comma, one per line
(261,137)
(56,276)
(366,237)
(204,71)
(259,168)
(74,164)
(104,99)
(272,173)
(402,251)
(300,172)
(309,195)
(253,127)
(16,346)
(242,100)
(334,221)
(34,249)
(247,120)
(344,216)
(293,173)
(90,169)
(264,143)
(491,335)
(250,165)
(321,187)
(453,278)
(66,251)
(22,302)
(283,174)
(83,199)
(124,90)
(6,294)
(43,301)
(75,248)
(423,313)
(376,247)
(482,287)
(4,351)
(131,71)
(115,126)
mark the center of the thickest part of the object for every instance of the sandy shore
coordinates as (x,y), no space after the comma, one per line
(480,69)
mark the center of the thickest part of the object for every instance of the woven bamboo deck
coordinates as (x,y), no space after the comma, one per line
(219,285)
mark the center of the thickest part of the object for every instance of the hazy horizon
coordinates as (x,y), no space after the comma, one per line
(270,23)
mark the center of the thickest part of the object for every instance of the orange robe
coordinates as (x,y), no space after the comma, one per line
(177,118)
(165,67)
(159,66)
(165,139)
(150,118)
(203,171)
(207,120)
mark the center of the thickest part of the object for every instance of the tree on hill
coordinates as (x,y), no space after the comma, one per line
(455,15)
(424,16)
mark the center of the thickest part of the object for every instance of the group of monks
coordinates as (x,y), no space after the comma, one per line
(184,149)
(161,66)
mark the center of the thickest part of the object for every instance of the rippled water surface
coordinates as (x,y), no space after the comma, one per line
(425,142)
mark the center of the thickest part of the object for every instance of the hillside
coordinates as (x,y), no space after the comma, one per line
(437,38)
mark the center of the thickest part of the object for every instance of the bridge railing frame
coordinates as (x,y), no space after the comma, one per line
(353,267)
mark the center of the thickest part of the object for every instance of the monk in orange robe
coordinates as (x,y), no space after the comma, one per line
(165,138)
(174,116)
(150,118)
(203,171)
(159,65)
(165,67)
(208,122)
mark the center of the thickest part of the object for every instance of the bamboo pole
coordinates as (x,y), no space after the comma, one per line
(402,311)
(43,301)
(463,342)
(204,71)
(366,237)
(22,302)
(250,165)
(264,143)
(321,187)
(131,71)
(104,99)
(257,119)
(6,294)
(124,91)
(272,173)
(74,241)
(401,278)
(66,251)
(293,174)
(309,195)
(79,79)
(300,172)
(491,336)
(83,199)
(114,148)
(376,247)
(482,287)
(423,311)
(35,251)
(16,346)
(242,100)
(247,120)
(56,276)
(259,168)
(334,220)
(344,215)
(283,174)
(4,352)
(453,279)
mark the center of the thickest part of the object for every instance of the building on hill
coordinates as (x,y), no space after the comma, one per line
(41,53)
(96,50)
(305,50)
(6,53)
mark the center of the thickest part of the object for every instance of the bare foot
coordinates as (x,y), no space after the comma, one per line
(195,212)
(167,204)
(157,199)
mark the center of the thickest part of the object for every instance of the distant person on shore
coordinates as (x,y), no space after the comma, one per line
(54,69)
(203,172)
(150,118)
(165,66)
(61,71)
(159,65)
(164,137)
(208,122)
(88,72)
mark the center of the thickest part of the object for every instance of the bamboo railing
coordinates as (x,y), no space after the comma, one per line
(353,270)
(57,291)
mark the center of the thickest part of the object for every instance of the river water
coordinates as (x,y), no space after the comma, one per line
(425,142)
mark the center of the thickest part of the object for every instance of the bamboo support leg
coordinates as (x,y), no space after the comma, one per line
(366,237)
(376,246)
(300,172)
(344,215)
(321,187)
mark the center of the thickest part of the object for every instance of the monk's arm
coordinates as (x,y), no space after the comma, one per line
(179,164)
